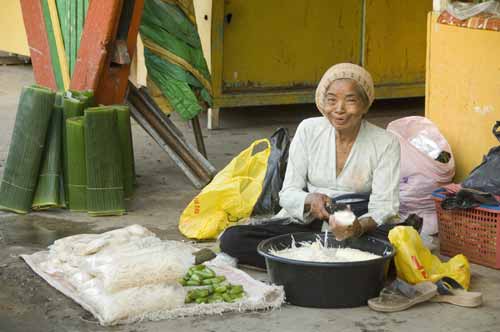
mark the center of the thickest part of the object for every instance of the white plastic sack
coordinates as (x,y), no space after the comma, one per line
(464,10)
(122,269)
(426,145)
(120,259)
(68,254)
(129,304)
(88,244)
(439,5)
(156,301)
(421,174)
(128,275)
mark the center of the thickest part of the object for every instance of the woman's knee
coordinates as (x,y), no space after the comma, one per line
(230,240)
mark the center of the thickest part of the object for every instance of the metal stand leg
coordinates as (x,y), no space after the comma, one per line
(198,135)
(213,118)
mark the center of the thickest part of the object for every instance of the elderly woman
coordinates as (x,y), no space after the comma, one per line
(339,155)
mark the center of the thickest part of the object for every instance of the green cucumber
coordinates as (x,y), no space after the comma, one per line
(218,297)
(236,289)
(220,279)
(198,267)
(220,289)
(205,274)
(192,283)
(227,298)
(202,292)
(238,296)
(207,282)
(195,277)
(201,300)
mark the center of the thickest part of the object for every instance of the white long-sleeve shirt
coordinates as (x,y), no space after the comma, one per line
(371,167)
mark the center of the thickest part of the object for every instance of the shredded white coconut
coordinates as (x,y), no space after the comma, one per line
(344,217)
(316,252)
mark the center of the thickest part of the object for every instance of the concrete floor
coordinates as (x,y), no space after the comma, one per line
(27,303)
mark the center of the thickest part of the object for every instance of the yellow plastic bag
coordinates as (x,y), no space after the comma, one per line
(230,196)
(415,263)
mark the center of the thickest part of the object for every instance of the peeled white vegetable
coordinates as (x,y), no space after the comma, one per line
(344,218)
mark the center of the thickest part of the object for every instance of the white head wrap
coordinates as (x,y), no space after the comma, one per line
(340,71)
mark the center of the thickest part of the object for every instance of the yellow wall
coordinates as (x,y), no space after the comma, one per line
(203,8)
(395,37)
(283,43)
(12,33)
(463,89)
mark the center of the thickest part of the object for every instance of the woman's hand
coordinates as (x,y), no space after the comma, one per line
(358,228)
(343,232)
(316,204)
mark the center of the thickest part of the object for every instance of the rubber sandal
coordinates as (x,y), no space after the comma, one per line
(450,291)
(400,296)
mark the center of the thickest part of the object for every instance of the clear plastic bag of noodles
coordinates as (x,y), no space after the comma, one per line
(132,266)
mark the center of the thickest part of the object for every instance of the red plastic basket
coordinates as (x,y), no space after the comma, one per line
(472,232)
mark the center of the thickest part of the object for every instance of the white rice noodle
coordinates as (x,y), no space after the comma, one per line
(316,252)
(130,304)
(162,263)
(123,258)
(88,244)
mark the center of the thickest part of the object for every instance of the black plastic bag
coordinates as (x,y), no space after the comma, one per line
(486,176)
(269,201)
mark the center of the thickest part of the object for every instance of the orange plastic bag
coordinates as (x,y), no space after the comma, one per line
(415,263)
(230,196)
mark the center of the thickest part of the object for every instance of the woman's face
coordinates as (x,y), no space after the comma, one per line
(344,107)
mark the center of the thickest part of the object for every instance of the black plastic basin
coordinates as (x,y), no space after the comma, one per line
(328,285)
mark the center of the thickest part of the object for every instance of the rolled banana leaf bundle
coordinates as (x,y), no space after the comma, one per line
(105,191)
(86,97)
(48,190)
(26,149)
(72,107)
(127,149)
(77,170)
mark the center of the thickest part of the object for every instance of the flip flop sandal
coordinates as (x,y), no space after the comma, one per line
(450,291)
(400,296)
